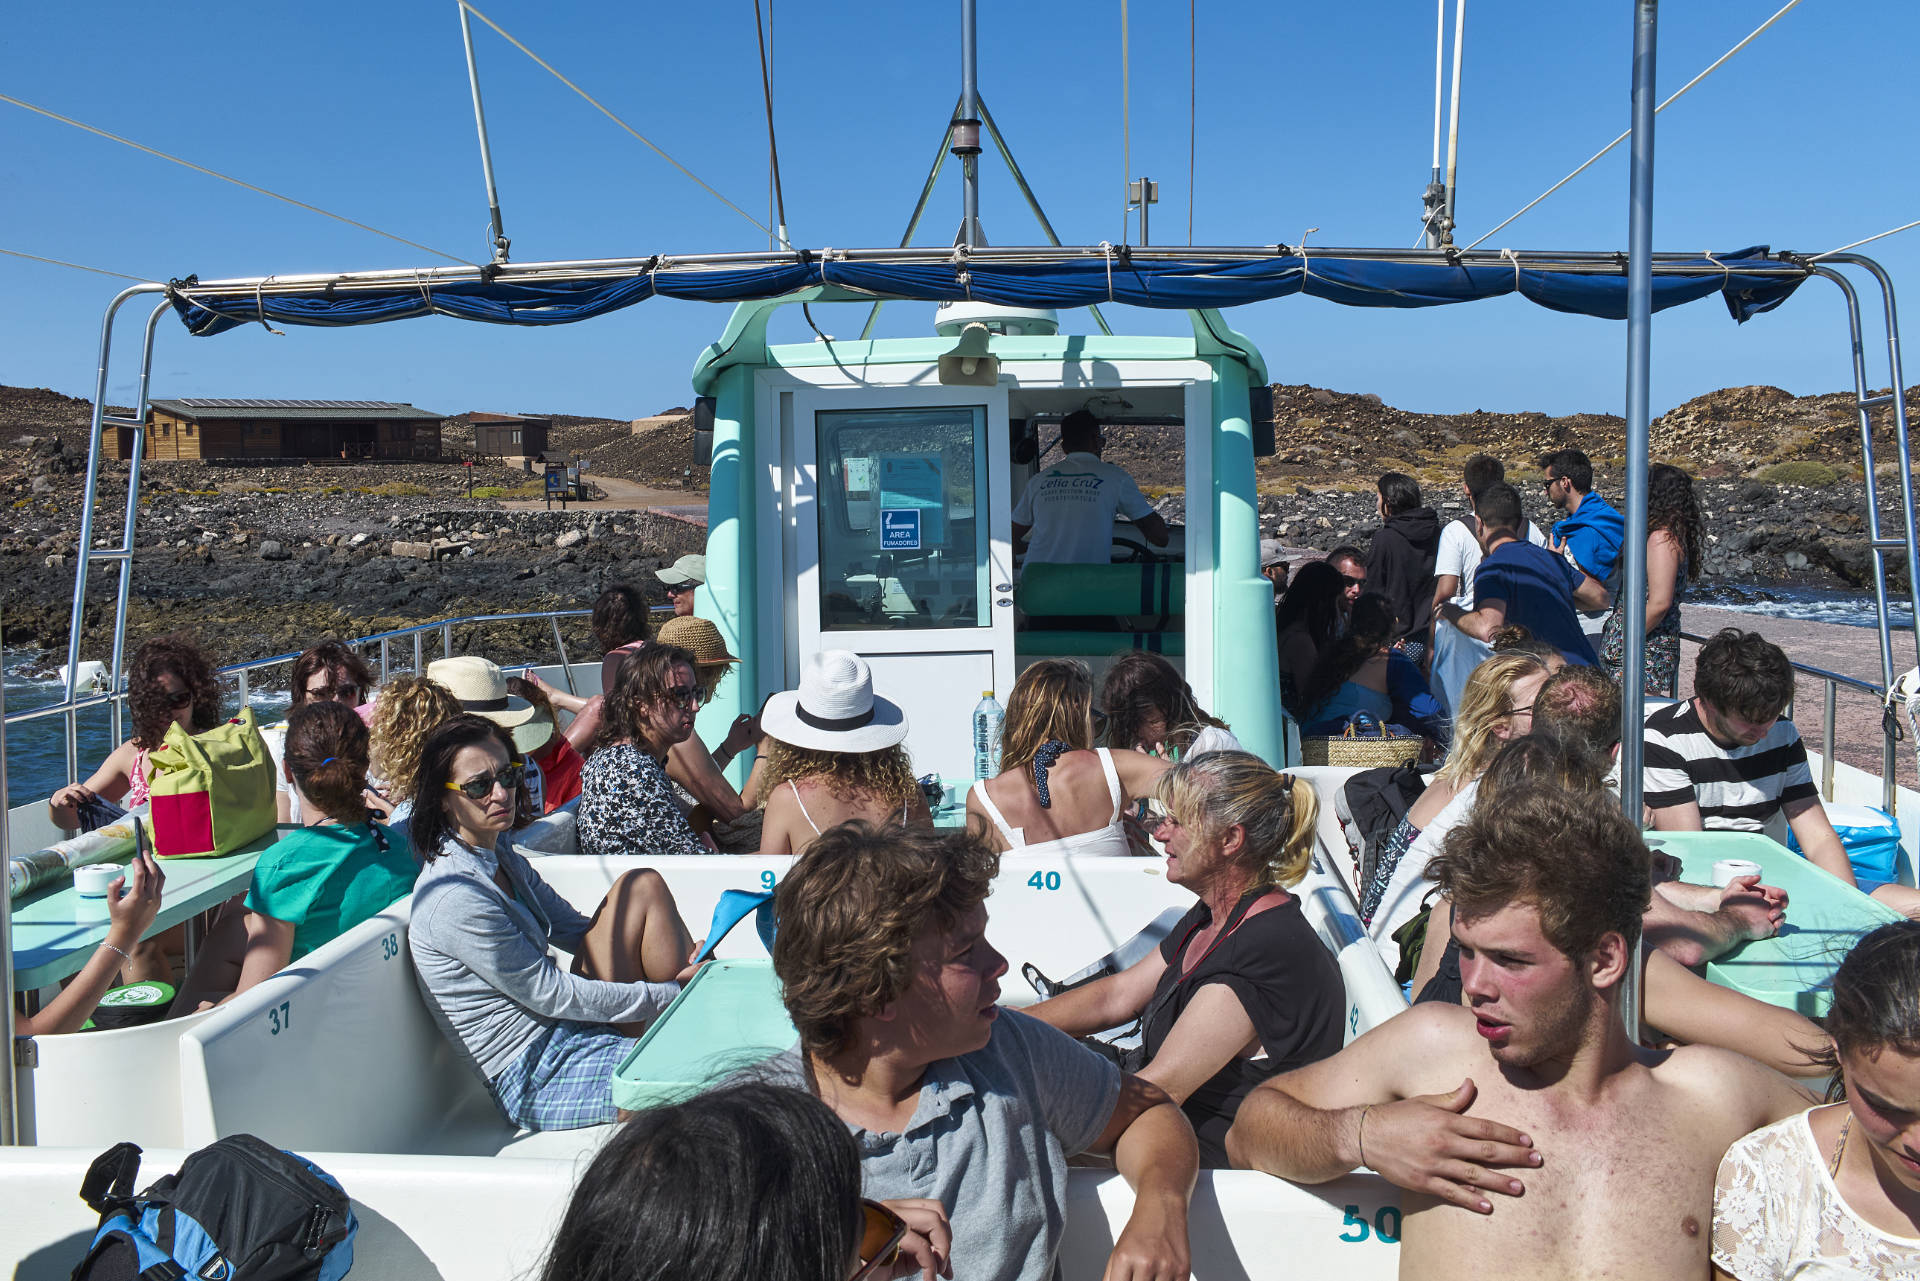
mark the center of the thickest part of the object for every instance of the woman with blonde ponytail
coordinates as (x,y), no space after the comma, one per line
(1241,990)
(316,883)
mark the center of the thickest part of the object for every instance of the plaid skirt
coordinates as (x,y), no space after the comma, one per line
(563,1081)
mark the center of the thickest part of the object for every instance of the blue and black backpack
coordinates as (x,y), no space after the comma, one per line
(237,1210)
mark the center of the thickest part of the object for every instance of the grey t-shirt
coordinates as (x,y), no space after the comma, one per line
(990,1141)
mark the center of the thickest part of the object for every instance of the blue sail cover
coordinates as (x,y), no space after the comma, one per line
(1066,282)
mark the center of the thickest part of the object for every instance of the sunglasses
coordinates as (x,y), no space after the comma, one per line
(479,789)
(687,697)
(1153,814)
(348,691)
(1100,719)
(1520,711)
(180,698)
(882,1233)
(1550,481)
(674,589)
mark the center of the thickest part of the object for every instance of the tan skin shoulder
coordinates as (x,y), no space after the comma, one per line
(1726,1088)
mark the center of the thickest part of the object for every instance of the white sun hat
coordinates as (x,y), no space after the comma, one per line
(835,708)
(481,687)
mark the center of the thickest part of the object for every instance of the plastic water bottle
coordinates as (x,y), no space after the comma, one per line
(987,717)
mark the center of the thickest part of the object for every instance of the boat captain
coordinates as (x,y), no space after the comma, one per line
(1066,514)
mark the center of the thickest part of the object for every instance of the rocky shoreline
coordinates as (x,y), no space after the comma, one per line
(258,560)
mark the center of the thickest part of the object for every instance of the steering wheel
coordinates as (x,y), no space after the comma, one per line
(1136,553)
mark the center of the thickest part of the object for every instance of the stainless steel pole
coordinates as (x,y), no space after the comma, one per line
(9,1083)
(1436,194)
(966,130)
(500,242)
(1639,370)
(131,523)
(1633,549)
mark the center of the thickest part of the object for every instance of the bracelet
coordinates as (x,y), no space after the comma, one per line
(111,948)
(1363,1132)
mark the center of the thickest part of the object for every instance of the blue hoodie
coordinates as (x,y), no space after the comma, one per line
(1593,535)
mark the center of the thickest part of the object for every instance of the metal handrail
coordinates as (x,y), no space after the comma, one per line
(71,708)
(1831,685)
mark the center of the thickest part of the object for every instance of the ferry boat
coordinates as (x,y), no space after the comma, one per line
(860,498)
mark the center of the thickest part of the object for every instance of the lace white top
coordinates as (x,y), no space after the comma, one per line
(1777,1215)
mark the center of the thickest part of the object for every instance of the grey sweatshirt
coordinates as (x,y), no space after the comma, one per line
(482,962)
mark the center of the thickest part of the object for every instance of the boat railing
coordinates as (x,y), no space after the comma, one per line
(1831,683)
(418,634)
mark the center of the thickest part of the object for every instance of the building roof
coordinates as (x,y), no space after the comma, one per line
(201,409)
(482,418)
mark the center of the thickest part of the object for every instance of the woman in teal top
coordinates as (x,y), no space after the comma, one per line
(316,883)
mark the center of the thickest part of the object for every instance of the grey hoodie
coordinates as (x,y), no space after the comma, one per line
(481,958)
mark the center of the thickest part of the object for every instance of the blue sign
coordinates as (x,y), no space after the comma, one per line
(555,481)
(900,529)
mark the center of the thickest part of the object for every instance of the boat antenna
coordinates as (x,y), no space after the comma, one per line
(1447,222)
(1435,199)
(500,242)
(773,148)
(966,129)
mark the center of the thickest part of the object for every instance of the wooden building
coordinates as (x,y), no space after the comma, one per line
(197,428)
(509,435)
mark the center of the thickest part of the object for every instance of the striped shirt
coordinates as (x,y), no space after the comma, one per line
(1738,789)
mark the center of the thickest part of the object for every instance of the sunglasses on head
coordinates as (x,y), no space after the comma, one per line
(479,789)
(882,1232)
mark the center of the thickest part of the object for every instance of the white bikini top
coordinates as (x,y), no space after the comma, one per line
(816,827)
(1111,839)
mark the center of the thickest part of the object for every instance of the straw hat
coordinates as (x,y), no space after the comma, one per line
(835,708)
(698,637)
(688,569)
(481,687)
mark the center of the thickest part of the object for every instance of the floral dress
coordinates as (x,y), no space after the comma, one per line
(1661,671)
(627,807)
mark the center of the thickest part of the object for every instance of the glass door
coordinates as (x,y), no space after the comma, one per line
(903,555)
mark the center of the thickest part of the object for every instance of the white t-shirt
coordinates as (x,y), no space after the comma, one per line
(1777,1215)
(275,737)
(1071,507)
(1459,555)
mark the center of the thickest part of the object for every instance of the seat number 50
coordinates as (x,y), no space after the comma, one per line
(1386,1225)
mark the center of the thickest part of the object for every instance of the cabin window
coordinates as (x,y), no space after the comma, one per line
(901,543)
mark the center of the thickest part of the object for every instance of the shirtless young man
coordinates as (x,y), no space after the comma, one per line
(1533,1138)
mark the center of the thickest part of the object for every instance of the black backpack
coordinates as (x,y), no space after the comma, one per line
(1378,799)
(238,1209)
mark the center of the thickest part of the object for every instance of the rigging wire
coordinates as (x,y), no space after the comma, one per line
(77,266)
(215,173)
(605,111)
(1193,110)
(1716,65)
(1869,240)
(1126,127)
(773,148)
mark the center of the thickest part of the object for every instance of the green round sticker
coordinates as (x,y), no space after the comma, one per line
(138,994)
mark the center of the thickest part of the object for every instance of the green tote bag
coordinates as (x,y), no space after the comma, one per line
(212,792)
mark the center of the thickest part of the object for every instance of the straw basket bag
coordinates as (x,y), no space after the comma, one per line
(1364,744)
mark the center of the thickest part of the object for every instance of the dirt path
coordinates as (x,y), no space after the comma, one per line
(1849,651)
(627,495)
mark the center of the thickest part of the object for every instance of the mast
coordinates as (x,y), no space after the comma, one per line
(966,128)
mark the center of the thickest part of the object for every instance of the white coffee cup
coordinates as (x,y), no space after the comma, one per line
(1727,870)
(955,795)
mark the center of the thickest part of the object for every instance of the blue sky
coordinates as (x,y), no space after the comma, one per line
(1309,116)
